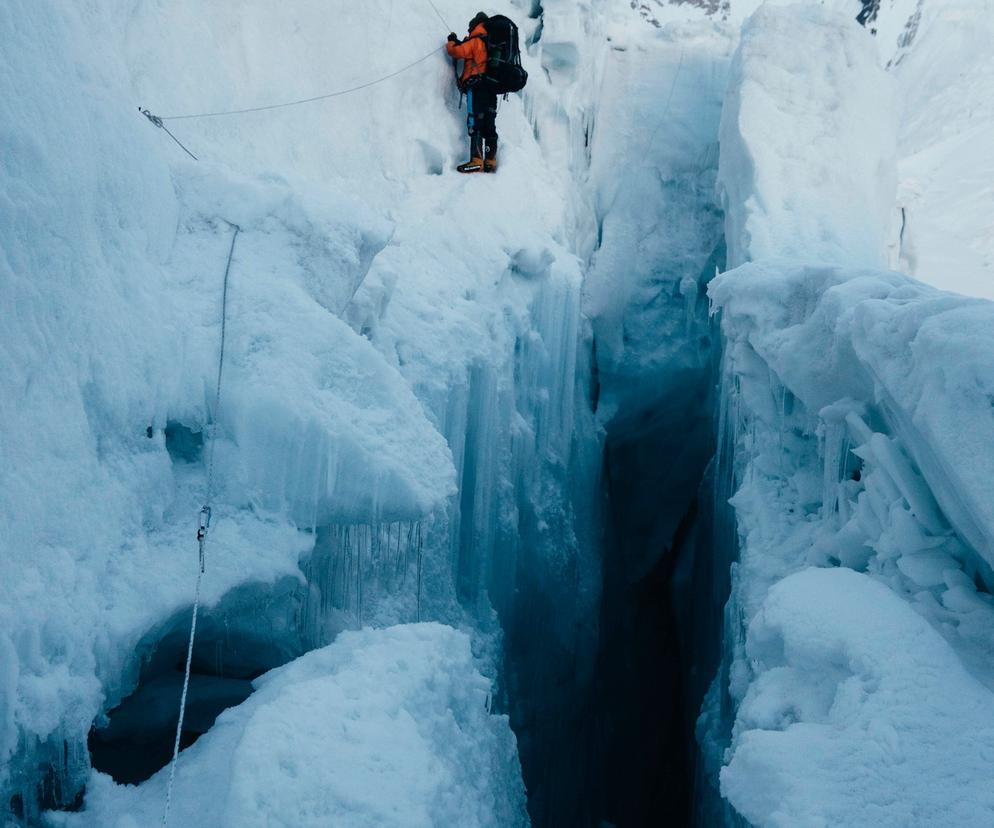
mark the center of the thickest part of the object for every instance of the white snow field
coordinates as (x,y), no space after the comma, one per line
(435,387)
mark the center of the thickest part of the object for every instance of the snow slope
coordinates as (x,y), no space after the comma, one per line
(944,71)
(937,55)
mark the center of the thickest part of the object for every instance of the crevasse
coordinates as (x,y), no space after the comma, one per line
(510,528)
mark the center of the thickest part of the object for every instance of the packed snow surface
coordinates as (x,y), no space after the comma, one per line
(382,728)
(860,714)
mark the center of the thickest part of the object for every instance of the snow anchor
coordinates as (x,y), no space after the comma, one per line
(157,121)
(203,522)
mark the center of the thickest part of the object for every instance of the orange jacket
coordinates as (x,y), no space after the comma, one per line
(473,51)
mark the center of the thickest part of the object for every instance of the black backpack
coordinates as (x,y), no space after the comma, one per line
(504,69)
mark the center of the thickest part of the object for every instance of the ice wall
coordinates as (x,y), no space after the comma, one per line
(115,246)
(808,123)
(637,119)
(856,417)
(841,449)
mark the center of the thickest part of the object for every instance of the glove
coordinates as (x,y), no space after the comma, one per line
(453,37)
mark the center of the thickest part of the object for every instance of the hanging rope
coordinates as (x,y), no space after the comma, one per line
(420,554)
(204,521)
(203,527)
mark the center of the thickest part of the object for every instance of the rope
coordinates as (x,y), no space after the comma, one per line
(336,94)
(158,122)
(202,529)
(439,14)
(220,363)
(669,100)
(420,561)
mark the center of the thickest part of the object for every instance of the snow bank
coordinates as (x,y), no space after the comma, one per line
(807,141)
(860,714)
(919,357)
(382,728)
(859,411)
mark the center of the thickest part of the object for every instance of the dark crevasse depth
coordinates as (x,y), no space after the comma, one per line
(254,629)
(614,744)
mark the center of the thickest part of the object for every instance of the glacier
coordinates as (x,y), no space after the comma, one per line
(646,481)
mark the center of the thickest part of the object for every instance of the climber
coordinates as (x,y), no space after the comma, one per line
(481,96)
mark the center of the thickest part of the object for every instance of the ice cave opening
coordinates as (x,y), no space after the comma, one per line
(253,630)
(137,739)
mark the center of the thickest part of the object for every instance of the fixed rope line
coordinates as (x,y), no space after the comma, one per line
(203,527)
(220,363)
(157,121)
(439,14)
(286,104)
(669,100)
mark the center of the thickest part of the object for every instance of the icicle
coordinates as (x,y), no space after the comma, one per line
(420,562)
(834,452)
(358,581)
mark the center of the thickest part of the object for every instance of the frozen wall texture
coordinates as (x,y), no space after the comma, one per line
(376,364)
(807,136)
(857,402)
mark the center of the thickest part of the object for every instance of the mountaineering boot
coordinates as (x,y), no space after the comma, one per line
(475,163)
(490,159)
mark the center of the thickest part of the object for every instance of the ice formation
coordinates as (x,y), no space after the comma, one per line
(798,131)
(499,452)
(857,405)
(115,246)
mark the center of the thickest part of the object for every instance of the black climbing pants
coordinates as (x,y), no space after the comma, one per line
(481,101)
